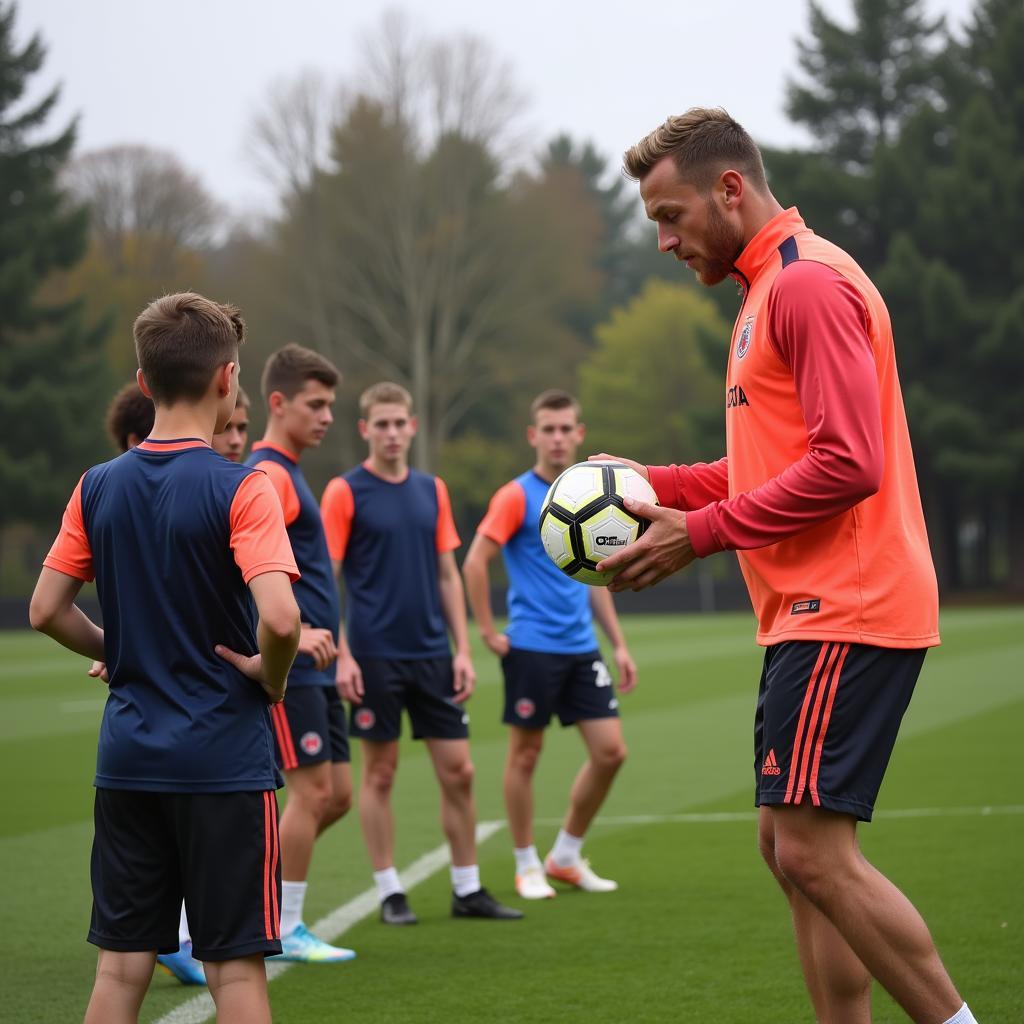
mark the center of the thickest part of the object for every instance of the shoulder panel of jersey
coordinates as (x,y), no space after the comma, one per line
(447,534)
(279,465)
(337,509)
(505,513)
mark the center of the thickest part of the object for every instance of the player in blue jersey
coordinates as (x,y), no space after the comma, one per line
(186,548)
(231,441)
(391,532)
(549,656)
(312,742)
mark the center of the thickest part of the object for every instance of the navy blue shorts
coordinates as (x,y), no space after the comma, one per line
(827,718)
(573,686)
(216,851)
(309,727)
(425,687)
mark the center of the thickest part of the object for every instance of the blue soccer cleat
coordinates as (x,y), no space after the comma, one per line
(302,946)
(183,965)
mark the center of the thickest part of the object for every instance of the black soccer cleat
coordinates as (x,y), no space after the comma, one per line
(396,910)
(482,904)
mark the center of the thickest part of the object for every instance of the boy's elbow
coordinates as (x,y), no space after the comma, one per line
(283,623)
(41,614)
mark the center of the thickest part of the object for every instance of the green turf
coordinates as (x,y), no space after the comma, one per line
(697,930)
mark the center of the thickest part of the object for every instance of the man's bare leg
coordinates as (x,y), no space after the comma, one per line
(606,752)
(120,986)
(524,747)
(816,850)
(380,762)
(454,769)
(239,989)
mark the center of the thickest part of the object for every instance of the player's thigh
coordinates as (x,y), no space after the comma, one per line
(306,727)
(827,718)
(378,717)
(532,681)
(453,764)
(587,692)
(603,739)
(525,745)
(430,699)
(232,873)
(136,873)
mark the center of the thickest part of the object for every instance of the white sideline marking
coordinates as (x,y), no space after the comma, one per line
(200,1008)
(719,816)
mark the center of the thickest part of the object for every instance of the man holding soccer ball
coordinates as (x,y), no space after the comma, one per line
(549,656)
(818,496)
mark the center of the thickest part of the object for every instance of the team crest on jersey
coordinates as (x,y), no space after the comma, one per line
(312,743)
(525,708)
(365,718)
(743,342)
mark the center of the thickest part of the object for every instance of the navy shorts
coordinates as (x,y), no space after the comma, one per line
(216,851)
(309,727)
(827,718)
(425,687)
(573,686)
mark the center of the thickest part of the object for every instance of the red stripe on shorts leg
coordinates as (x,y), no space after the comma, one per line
(276,837)
(832,689)
(814,723)
(795,756)
(283,730)
(268,843)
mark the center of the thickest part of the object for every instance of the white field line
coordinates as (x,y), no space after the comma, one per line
(726,816)
(200,1008)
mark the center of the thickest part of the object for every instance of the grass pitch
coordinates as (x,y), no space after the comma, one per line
(696,932)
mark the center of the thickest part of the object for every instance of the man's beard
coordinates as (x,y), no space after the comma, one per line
(723,244)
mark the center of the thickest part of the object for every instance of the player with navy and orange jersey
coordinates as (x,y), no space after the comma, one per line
(299,388)
(231,441)
(185,542)
(391,532)
(818,496)
(129,417)
(549,655)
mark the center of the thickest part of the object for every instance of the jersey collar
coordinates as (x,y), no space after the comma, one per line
(765,244)
(177,444)
(291,456)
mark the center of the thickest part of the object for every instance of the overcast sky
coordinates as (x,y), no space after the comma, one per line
(188,75)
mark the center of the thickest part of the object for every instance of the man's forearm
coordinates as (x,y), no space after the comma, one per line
(454,604)
(604,611)
(73,629)
(278,653)
(478,591)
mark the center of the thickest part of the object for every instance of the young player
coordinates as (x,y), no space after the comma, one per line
(312,744)
(185,779)
(818,496)
(231,441)
(390,530)
(549,655)
(129,417)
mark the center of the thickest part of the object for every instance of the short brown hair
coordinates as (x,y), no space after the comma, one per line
(554,398)
(384,393)
(242,399)
(180,340)
(130,412)
(288,369)
(703,142)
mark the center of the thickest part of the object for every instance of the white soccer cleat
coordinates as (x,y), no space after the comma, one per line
(532,885)
(580,875)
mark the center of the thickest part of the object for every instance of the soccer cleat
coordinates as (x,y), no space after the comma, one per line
(580,875)
(532,885)
(482,904)
(395,909)
(182,965)
(302,946)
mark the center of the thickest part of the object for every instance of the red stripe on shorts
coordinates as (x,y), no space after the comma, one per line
(283,732)
(814,723)
(275,835)
(794,759)
(268,844)
(832,689)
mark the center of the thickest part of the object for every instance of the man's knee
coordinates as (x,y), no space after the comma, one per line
(458,775)
(525,757)
(339,804)
(380,778)
(609,757)
(805,865)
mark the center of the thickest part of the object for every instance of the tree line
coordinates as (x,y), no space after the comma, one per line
(420,236)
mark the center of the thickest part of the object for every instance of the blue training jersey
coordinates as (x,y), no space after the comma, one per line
(548,612)
(388,537)
(172,533)
(316,591)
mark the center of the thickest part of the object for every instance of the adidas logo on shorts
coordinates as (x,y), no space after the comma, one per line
(771,766)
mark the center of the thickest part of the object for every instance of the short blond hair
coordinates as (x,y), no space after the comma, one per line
(702,143)
(384,393)
(555,399)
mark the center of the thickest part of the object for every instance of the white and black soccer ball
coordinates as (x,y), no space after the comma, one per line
(583,519)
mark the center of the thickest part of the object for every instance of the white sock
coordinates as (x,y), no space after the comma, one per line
(962,1016)
(526,858)
(387,883)
(465,880)
(183,933)
(566,850)
(293,895)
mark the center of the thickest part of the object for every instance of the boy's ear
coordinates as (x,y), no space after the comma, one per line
(275,400)
(143,386)
(225,377)
(363,428)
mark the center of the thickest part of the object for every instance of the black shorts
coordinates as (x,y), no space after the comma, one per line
(216,851)
(573,686)
(425,687)
(827,718)
(309,727)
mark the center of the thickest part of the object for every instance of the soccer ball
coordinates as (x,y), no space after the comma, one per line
(583,519)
